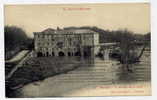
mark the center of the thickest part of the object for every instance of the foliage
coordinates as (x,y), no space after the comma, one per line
(14,37)
(15,40)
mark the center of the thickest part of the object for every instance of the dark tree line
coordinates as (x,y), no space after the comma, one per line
(14,36)
(15,40)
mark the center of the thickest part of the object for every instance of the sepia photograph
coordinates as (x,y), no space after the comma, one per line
(77,50)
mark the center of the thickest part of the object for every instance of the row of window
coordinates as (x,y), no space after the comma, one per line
(55,49)
(61,36)
(69,42)
(56,39)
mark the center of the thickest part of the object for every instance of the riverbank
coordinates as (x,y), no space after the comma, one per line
(37,69)
(10,64)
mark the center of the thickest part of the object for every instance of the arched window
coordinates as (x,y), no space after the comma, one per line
(47,54)
(61,53)
(53,54)
(78,53)
(85,54)
(69,54)
(39,54)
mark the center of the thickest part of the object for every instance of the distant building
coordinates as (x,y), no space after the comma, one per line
(72,42)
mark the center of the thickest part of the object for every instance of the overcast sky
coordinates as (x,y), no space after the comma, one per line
(36,18)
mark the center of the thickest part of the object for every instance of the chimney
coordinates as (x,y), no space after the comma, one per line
(58,29)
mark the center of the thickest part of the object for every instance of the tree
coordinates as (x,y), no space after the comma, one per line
(14,36)
(15,40)
(128,45)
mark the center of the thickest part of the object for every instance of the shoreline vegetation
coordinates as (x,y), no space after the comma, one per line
(9,65)
(36,69)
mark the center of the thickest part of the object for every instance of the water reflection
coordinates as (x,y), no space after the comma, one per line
(90,73)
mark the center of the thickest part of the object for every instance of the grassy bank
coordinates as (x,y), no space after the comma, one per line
(36,69)
(11,64)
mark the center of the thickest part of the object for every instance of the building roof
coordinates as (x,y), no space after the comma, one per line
(69,31)
(48,30)
(79,31)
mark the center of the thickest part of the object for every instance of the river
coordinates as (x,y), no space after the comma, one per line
(85,80)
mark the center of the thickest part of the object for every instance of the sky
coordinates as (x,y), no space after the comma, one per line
(35,18)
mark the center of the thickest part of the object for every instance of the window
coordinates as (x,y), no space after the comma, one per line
(70,41)
(45,36)
(37,35)
(60,44)
(53,39)
(49,36)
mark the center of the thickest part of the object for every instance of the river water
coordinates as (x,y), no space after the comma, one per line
(91,74)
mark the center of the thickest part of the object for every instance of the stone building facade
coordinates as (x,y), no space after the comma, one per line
(73,42)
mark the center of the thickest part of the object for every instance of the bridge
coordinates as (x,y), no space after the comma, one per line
(106,48)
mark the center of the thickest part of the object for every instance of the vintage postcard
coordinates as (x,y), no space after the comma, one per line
(75,50)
